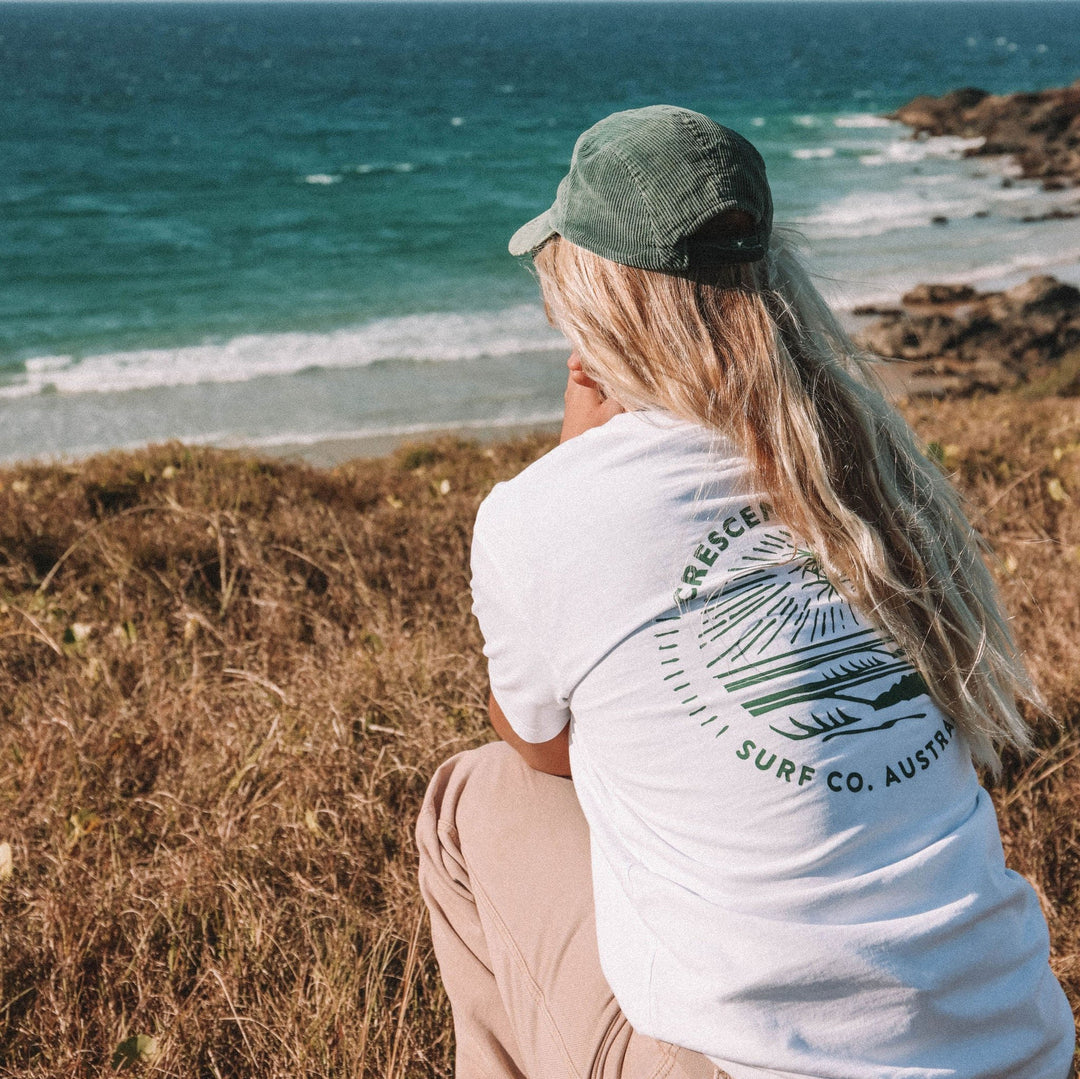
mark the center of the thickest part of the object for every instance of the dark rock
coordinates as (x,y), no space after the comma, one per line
(937,115)
(966,341)
(1040,130)
(1058,213)
(938,294)
(1040,293)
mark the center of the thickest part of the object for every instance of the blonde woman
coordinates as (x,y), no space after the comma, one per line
(748,618)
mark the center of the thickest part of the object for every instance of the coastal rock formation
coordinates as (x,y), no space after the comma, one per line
(957,340)
(1041,131)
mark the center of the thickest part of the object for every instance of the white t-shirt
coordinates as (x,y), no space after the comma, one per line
(796,870)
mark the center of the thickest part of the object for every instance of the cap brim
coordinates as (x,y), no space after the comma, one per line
(533,234)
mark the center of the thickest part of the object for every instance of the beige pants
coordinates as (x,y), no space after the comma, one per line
(504,870)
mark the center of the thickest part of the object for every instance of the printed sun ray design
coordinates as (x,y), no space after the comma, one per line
(787,608)
(766,550)
(822,589)
(779,592)
(749,638)
(799,623)
(772,567)
(732,607)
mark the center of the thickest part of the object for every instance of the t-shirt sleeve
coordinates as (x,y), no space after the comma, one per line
(522,679)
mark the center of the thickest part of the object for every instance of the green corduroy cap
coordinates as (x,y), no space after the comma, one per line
(644,183)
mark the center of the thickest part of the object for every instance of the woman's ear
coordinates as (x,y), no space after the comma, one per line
(577,373)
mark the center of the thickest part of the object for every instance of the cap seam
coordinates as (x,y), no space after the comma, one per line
(636,176)
(713,156)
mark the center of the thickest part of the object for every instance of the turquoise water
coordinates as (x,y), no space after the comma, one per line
(265,223)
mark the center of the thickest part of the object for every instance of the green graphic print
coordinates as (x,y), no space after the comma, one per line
(756,615)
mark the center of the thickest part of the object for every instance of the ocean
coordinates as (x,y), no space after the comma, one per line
(284,224)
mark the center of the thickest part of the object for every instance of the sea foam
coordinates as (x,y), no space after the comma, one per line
(863,120)
(911,151)
(868,213)
(434,338)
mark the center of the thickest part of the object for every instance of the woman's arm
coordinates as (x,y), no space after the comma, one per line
(552,756)
(586,407)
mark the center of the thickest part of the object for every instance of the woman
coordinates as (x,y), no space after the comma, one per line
(748,615)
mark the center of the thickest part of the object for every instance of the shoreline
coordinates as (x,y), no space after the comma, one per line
(898,378)
(65,408)
(334,451)
(534,374)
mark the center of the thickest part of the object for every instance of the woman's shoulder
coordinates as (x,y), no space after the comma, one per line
(633,492)
(644,455)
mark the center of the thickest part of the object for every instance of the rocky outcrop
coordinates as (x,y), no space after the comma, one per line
(1041,131)
(959,341)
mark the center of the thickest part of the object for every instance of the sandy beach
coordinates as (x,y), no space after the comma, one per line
(330,452)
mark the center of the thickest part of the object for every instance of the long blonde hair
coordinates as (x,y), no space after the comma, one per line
(752,351)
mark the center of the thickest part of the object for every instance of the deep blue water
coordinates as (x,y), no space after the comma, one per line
(283,189)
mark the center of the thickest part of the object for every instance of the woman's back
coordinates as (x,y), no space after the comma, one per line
(795,867)
(748,614)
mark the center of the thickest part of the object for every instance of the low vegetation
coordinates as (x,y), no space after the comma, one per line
(224,683)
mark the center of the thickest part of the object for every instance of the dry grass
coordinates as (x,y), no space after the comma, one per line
(223,685)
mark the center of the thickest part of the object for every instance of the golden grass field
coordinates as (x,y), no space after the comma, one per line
(224,683)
